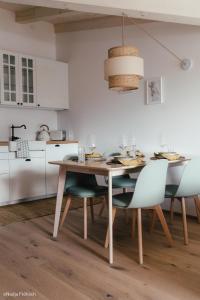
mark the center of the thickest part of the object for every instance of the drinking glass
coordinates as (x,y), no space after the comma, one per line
(81,154)
(70,134)
(123,144)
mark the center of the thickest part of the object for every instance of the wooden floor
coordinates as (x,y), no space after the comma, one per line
(71,268)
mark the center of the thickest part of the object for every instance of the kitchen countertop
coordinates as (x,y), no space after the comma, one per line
(6,143)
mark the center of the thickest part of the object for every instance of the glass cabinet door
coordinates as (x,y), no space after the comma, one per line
(27,81)
(9,79)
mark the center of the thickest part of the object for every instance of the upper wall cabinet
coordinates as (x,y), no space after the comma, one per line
(52,84)
(27,80)
(33,82)
(9,78)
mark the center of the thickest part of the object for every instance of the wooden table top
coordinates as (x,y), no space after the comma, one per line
(93,165)
(102,167)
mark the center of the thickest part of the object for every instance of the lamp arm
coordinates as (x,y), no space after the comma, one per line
(185,63)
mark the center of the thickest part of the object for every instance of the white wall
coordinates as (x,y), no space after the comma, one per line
(95,109)
(106,113)
(34,39)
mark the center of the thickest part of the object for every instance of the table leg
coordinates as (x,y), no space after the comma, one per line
(61,185)
(110,218)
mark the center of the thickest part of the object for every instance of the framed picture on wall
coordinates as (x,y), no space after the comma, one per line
(154,91)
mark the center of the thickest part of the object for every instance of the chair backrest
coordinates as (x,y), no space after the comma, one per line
(190,180)
(150,186)
(80,179)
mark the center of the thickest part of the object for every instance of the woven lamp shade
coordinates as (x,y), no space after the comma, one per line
(123,68)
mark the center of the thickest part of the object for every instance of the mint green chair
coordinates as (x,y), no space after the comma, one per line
(149,193)
(120,182)
(84,186)
(189,187)
(123,181)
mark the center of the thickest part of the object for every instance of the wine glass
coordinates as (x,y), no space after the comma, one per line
(163,143)
(132,146)
(91,142)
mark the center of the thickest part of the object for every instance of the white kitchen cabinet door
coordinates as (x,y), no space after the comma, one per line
(4,188)
(27,79)
(4,181)
(27,178)
(56,152)
(52,84)
(9,65)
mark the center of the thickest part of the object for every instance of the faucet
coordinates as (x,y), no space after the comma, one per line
(13,137)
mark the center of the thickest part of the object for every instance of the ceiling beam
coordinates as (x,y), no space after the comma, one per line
(95,23)
(184,11)
(36,14)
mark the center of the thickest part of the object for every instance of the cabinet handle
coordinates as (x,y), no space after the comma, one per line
(28,159)
(21,103)
(18,103)
(57,145)
(38,105)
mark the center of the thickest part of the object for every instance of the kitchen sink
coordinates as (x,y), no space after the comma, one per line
(33,146)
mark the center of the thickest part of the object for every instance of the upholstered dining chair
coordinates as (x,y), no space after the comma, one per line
(148,194)
(82,186)
(124,182)
(189,187)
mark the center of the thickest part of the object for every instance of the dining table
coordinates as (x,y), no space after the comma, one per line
(102,168)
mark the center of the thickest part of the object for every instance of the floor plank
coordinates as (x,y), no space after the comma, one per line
(72,268)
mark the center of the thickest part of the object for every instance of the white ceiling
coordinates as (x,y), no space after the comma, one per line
(63,20)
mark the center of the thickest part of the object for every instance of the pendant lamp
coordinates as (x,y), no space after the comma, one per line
(124,68)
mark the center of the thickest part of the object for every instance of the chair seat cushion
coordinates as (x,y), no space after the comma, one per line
(170,190)
(87,191)
(123,182)
(122,200)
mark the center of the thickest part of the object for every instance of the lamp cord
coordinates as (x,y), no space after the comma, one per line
(152,37)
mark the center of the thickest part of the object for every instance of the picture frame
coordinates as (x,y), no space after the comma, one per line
(154,91)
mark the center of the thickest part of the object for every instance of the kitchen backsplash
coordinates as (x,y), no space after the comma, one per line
(30,117)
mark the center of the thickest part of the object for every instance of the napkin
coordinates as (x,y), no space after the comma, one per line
(171,157)
(93,155)
(131,162)
(168,155)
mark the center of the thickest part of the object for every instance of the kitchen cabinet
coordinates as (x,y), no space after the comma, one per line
(52,84)
(9,78)
(34,178)
(28,81)
(27,177)
(56,152)
(27,75)
(4,180)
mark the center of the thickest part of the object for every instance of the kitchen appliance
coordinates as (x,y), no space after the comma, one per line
(57,135)
(43,134)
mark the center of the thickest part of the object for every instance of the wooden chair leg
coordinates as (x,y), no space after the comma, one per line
(164,224)
(172,210)
(134,219)
(197,205)
(114,210)
(153,222)
(139,224)
(126,215)
(65,211)
(102,206)
(185,227)
(125,190)
(92,209)
(85,218)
